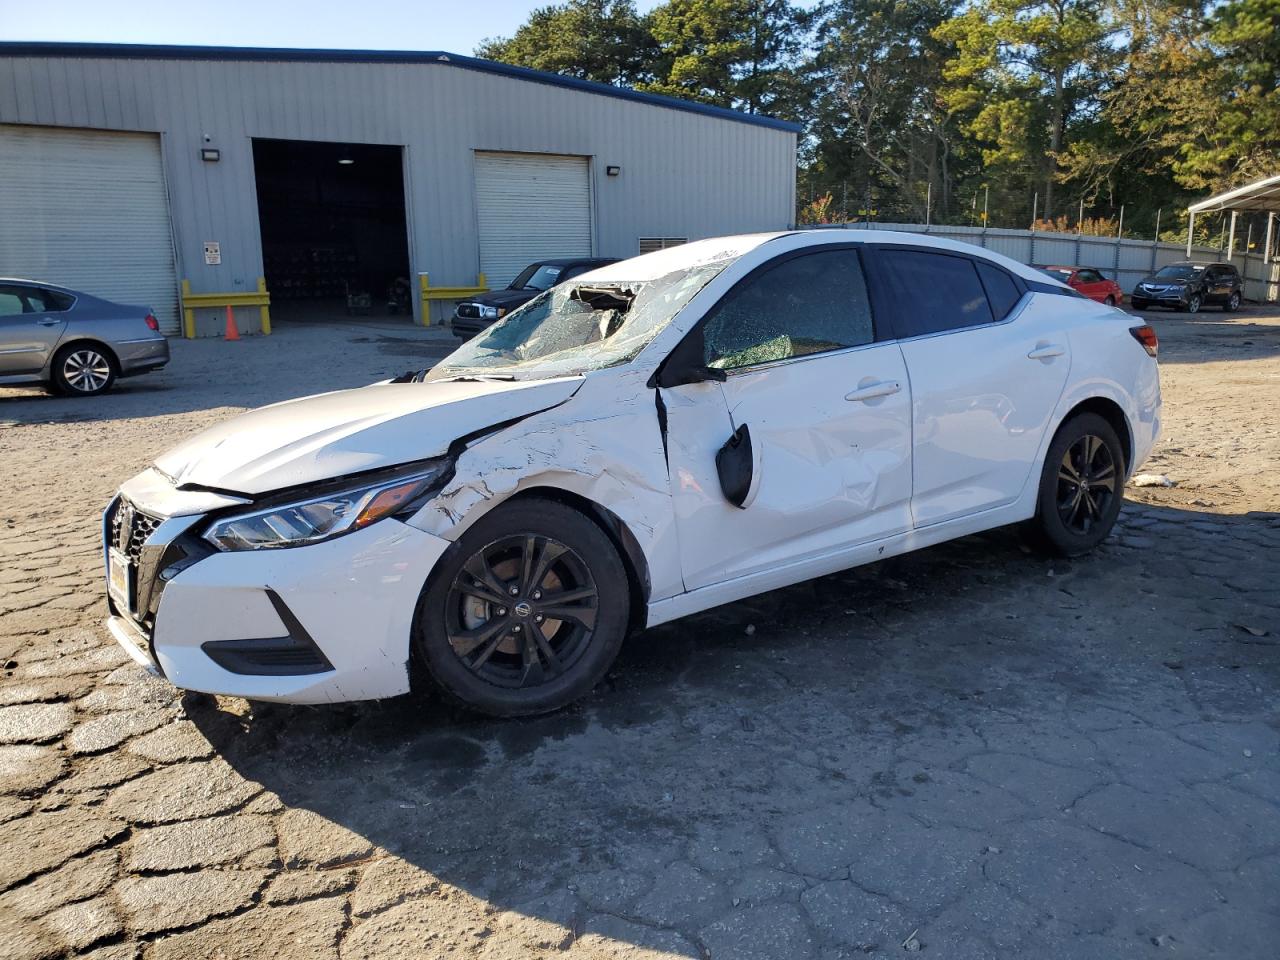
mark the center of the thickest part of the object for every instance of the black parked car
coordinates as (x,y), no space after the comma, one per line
(1189,286)
(472,316)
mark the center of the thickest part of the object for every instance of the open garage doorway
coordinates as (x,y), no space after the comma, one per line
(334,238)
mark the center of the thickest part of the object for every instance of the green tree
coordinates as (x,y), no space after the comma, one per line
(881,137)
(601,40)
(1024,73)
(744,54)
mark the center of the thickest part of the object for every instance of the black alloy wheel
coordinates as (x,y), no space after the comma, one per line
(526,611)
(521,610)
(1087,482)
(1081,486)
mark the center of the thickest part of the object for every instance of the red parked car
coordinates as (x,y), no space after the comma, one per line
(1089,282)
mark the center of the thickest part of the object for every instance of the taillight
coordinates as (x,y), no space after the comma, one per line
(153,323)
(1146,336)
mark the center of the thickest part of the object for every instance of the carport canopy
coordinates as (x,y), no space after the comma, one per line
(1261,196)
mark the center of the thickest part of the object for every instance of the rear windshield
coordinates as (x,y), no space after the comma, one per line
(1053,273)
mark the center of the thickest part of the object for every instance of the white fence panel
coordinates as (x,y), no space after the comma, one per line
(1125,261)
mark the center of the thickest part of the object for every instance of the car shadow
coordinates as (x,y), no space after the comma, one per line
(751,753)
(1252,332)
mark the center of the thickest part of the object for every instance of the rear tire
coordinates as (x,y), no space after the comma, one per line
(1081,486)
(84,370)
(526,612)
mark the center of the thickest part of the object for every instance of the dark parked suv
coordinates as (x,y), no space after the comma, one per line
(1189,286)
(472,316)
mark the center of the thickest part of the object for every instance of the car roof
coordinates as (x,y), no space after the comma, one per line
(42,285)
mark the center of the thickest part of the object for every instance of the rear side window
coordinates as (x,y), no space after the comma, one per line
(931,292)
(1002,293)
(48,301)
(804,305)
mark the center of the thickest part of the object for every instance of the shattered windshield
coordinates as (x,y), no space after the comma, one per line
(577,327)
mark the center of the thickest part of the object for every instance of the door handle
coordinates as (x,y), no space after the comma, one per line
(48,323)
(1046,351)
(872,390)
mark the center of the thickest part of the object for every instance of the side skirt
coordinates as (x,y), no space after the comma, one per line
(704,598)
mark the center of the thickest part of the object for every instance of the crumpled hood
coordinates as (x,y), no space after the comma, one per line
(334,434)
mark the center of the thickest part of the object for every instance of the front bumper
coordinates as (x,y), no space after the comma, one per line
(1170,298)
(350,600)
(467,327)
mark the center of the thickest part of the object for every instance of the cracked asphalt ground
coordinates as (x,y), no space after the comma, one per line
(972,751)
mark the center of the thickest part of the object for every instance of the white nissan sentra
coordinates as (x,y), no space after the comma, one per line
(648,440)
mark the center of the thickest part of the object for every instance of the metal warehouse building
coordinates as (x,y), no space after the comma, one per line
(323,179)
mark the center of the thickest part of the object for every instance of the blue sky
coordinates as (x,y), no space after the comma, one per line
(455,26)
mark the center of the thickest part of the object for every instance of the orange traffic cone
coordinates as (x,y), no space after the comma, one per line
(232,332)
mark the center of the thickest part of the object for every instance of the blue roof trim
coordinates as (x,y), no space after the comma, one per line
(141,51)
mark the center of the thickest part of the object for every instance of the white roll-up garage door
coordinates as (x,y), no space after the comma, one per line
(530,206)
(88,209)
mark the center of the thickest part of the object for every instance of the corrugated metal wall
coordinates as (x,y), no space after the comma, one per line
(683,174)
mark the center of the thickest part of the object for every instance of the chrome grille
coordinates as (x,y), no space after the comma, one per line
(130,528)
(469,311)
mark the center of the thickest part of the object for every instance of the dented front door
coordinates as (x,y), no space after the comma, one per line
(831,438)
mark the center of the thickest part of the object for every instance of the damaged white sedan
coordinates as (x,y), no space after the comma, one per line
(654,438)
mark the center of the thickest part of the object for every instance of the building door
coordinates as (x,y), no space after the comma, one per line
(88,209)
(530,206)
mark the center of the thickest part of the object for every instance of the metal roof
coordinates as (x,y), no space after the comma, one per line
(139,51)
(1260,196)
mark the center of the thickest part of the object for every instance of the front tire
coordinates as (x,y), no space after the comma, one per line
(1110,301)
(1233,302)
(84,370)
(1193,303)
(526,612)
(1081,486)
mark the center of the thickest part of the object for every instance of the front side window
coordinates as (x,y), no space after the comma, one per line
(10,303)
(812,303)
(932,292)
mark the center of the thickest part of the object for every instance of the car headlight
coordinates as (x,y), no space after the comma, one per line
(492,313)
(318,518)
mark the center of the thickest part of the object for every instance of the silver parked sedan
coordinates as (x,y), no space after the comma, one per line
(73,342)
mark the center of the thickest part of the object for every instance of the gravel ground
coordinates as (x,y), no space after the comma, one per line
(968,752)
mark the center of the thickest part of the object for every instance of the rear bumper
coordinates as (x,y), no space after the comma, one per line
(140,356)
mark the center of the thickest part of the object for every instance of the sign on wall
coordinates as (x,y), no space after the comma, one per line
(212,253)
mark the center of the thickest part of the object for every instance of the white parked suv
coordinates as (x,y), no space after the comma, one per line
(651,439)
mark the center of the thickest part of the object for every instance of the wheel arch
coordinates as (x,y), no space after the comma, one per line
(616,529)
(80,339)
(1111,412)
